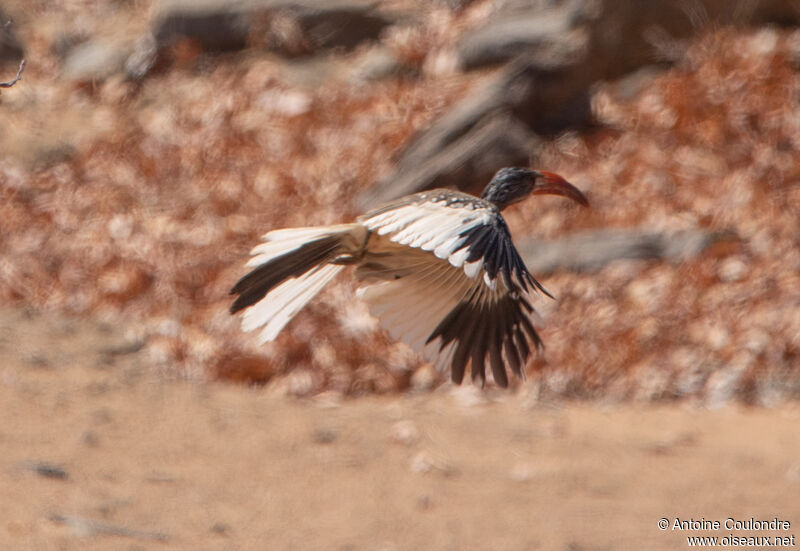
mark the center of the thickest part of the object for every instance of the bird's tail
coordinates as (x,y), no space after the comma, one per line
(291,267)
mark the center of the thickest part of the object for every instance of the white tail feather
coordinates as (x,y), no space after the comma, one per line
(281,304)
(283,241)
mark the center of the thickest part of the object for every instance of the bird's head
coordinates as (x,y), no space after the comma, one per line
(511,185)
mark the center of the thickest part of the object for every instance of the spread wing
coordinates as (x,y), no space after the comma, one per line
(441,273)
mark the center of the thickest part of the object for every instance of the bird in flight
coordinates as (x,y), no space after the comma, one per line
(437,268)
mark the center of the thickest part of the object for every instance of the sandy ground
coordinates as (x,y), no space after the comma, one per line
(100,452)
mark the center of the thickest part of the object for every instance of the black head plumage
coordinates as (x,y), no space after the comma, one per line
(510,185)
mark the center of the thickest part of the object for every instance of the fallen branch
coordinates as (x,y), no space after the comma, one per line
(17,78)
(47,470)
(89,527)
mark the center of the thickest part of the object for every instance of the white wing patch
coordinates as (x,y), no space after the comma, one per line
(457,258)
(434,227)
(472,269)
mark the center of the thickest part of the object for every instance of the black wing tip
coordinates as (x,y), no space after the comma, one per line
(535,283)
(513,333)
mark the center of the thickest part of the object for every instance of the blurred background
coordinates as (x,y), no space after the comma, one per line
(150,143)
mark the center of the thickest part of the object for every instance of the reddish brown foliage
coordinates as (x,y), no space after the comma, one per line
(150,220)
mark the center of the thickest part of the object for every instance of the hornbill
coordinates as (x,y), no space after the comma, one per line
(437,268)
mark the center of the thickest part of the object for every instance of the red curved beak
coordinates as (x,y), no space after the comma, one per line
(553,184)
